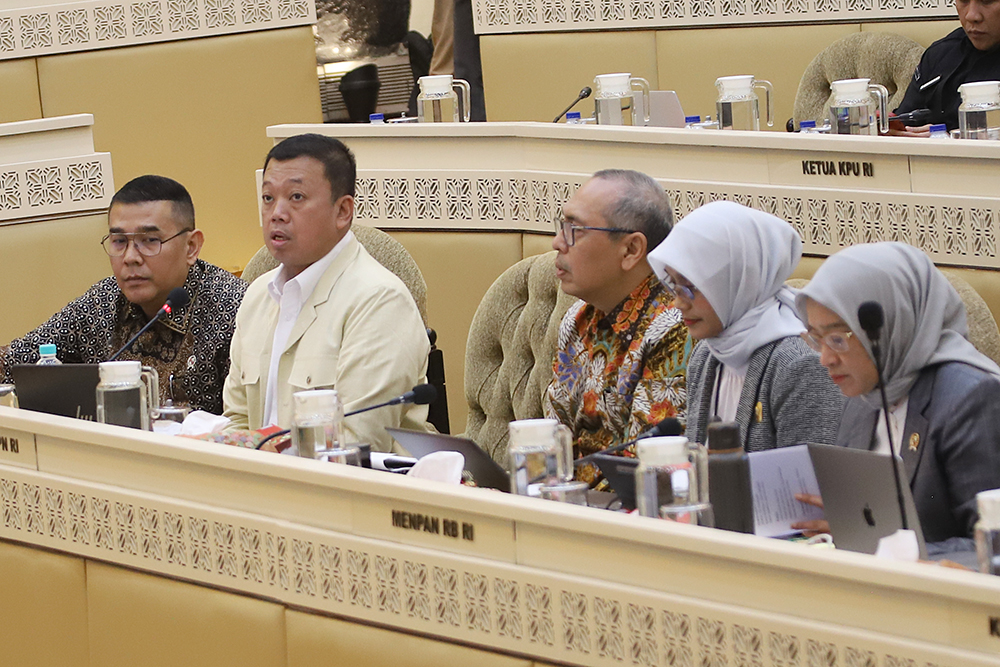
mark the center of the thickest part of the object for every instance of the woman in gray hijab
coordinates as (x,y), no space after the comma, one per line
(726,265)
(942,393)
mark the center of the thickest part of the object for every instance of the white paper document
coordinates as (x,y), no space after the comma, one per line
(776,476)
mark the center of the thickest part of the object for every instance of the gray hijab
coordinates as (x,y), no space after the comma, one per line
(924,316)
(739,258)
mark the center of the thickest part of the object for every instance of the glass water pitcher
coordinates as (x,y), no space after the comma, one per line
(443,99)
(616,101)
(738,106)
(859,107)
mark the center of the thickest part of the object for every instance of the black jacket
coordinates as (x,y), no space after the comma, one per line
(952,61)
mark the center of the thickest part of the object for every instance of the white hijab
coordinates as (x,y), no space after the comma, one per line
(924,316)
(739,258)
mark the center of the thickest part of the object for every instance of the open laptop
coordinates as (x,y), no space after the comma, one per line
(64,389)
(484,470)
(620,473)
(859,497)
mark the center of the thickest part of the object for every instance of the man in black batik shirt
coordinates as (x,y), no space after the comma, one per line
(153,246)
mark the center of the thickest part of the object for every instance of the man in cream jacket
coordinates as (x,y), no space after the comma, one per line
(330,316)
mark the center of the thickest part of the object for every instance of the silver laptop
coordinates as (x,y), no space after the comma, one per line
(484,470)
(859,497)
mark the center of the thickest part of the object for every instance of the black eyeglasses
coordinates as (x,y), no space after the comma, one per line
(569,230)
(686,291)
(147,243)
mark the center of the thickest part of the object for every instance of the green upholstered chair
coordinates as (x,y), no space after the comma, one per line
(883,57)
(511,346)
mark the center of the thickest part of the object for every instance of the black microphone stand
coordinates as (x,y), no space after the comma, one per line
(877,352)
(871,313)
(585,93)
(668,426)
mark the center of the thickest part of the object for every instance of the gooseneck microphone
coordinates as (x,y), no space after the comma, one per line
(422,394)
(669,426)
(872,318)
(584,94)
(178,298)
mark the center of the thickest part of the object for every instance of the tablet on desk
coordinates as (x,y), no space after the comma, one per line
(859,497)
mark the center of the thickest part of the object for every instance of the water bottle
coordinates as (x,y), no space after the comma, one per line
(376,118)
(666,481)
(48,355)
(729,478)
(573,118)
(318,428)
(987,531)
(693,123)
(940,131)
(126,394)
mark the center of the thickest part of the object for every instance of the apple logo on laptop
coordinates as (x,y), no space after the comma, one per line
(869,517)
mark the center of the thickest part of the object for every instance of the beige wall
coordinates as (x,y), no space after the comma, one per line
(534,76)
(46,264)
(19,83)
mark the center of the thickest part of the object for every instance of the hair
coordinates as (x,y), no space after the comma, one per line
(151,188)
(336,158)
(642,205)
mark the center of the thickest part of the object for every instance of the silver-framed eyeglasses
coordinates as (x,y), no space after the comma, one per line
(686,291)
(838,341)
(569,230)
(147,243)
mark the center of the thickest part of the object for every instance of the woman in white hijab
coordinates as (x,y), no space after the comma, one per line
(726,265)
(943,395)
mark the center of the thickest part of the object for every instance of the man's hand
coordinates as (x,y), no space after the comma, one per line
(915,131)
(815,526)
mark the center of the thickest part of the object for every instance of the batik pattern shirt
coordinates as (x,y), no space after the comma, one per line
(191,343)
(617,374)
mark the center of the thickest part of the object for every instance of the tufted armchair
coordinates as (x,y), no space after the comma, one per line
(512,343)
(883,57)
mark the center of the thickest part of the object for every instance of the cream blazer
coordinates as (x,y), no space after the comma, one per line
(359,332)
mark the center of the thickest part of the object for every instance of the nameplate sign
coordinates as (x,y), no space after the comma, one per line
(838,168)
(849,171)
(18,448)
(436,527)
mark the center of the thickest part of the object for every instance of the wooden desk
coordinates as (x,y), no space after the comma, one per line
(515,575)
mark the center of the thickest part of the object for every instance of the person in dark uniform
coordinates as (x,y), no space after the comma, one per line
(970,53)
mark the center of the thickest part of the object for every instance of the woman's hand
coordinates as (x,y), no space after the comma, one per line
(915,131)
(815,526)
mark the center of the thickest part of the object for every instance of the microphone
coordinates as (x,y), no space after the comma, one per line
(669,426)
(872,318)
(585,93)
(178,298)
(422,394)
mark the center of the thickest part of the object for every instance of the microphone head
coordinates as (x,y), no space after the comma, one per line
(423,394)
(871,317)
(585,93)
(178,298)
(669,426)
